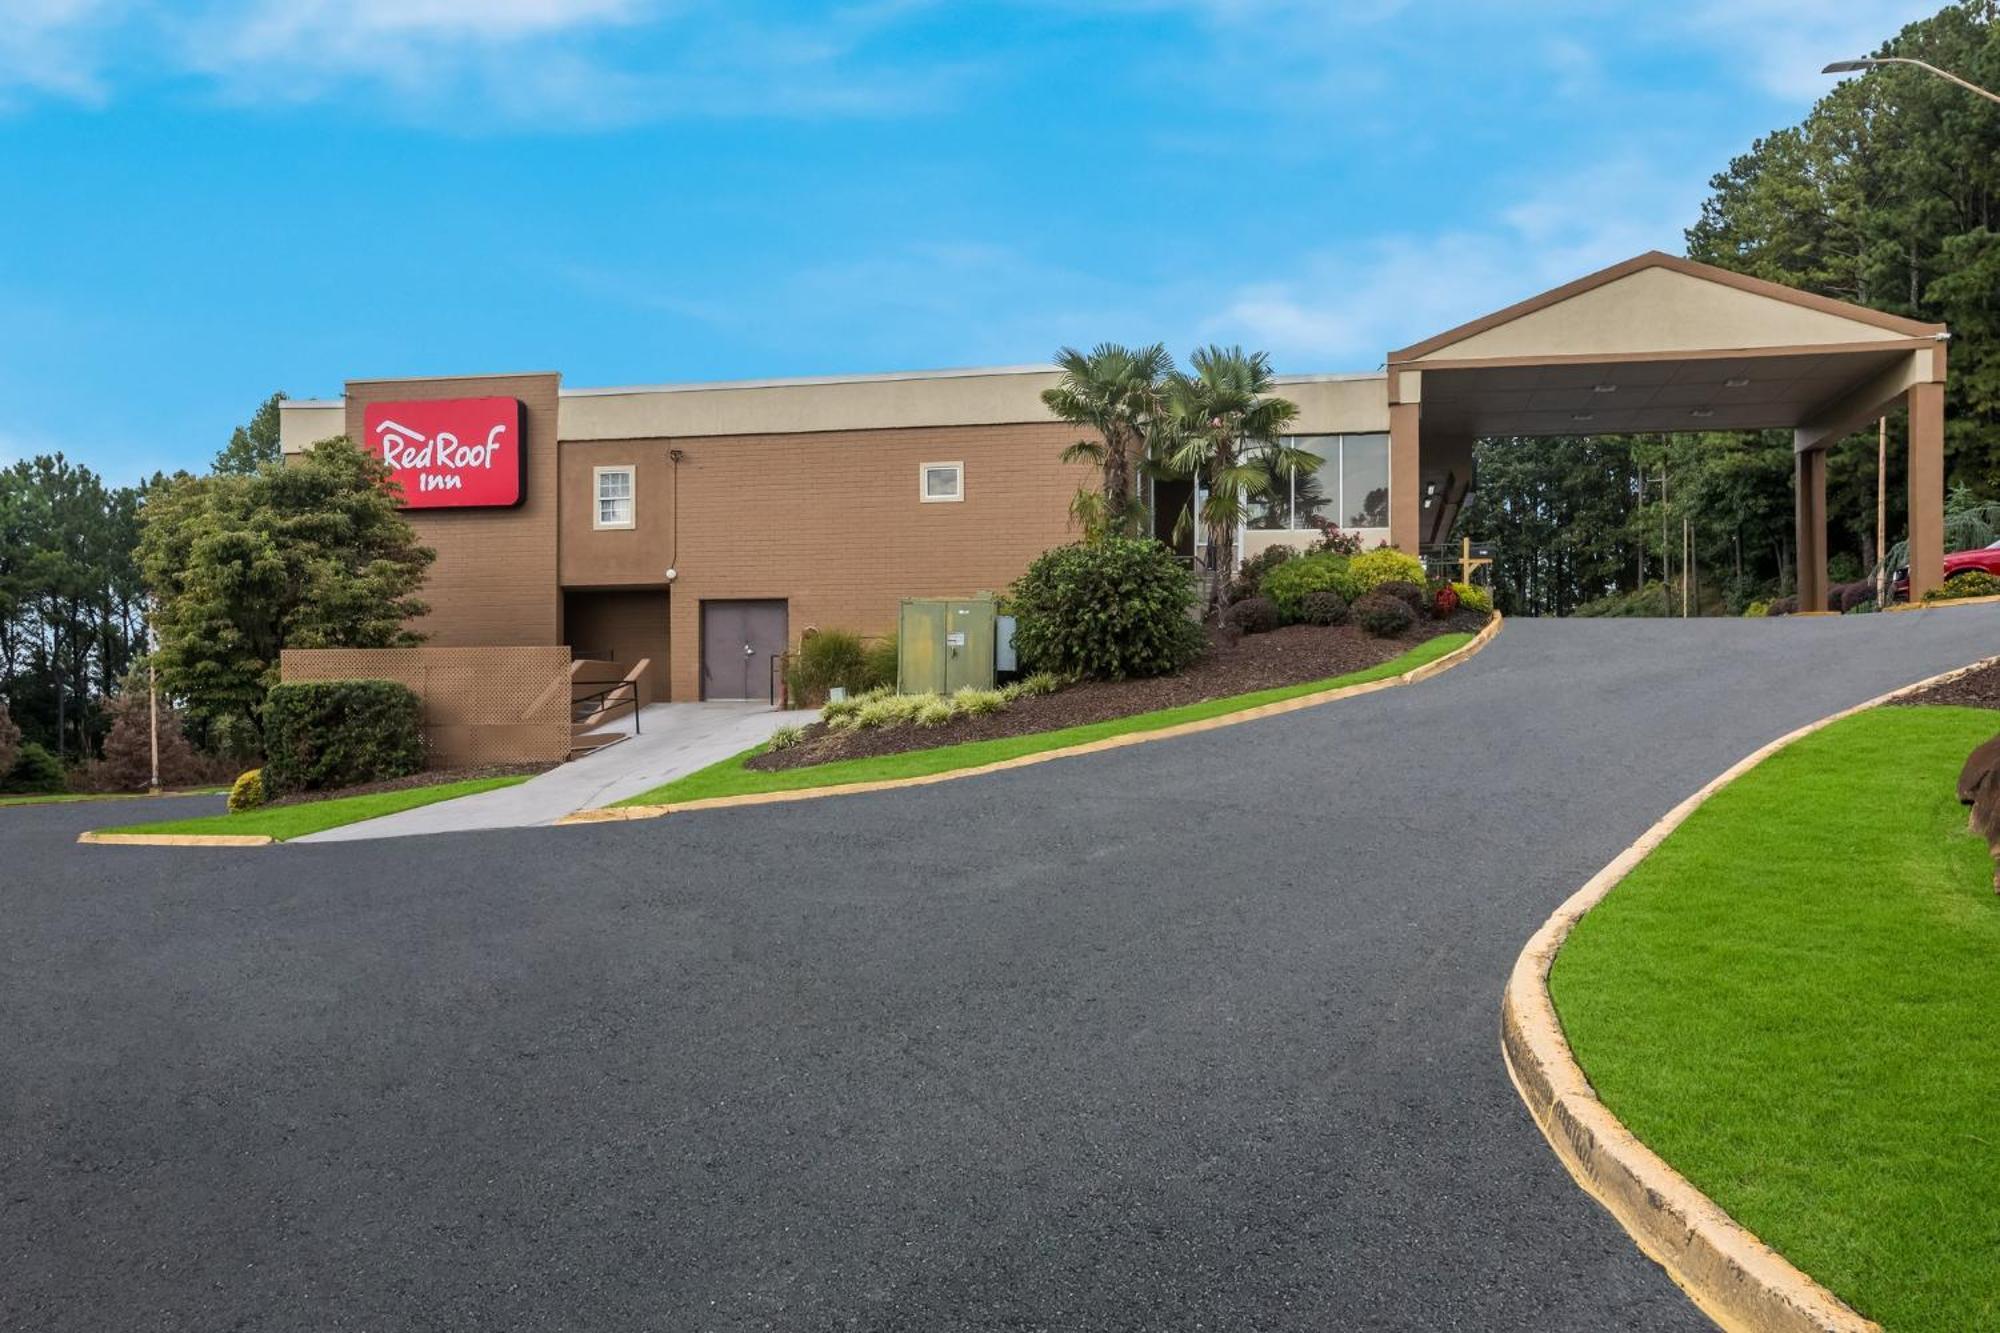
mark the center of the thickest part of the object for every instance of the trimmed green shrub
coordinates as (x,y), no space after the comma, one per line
(1107,609)
(1967,583)
(1412,594)
(825,659)
(1386,564)
(1249,581)
(247,792)
(35,772)
(1288,584)
(1473,597)
(1383,614)
(784,738)
(1323,606)
(1254,615)
(340,733)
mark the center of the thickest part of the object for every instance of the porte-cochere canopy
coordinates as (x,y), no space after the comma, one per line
(1659,343)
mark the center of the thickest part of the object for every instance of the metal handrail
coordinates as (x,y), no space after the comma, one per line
(603,697)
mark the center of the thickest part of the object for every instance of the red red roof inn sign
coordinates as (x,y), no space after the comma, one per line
(450,453)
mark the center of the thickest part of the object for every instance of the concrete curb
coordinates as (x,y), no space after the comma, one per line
(1901,607)
(616,814)
(174,839)
(1736,1279)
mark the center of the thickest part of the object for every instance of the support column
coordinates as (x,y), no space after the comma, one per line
(1926,488)
(1811,508)
(1405,477)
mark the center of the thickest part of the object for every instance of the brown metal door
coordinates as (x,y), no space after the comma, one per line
(739,641)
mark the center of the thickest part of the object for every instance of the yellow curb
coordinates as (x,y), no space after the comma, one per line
(615,814)
(175,839)
(1949,601)
(1736,1279)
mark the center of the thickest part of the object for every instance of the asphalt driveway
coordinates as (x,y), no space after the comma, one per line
(1194,1035)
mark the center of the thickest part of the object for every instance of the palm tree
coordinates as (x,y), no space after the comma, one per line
(1226,430)
(1119,393)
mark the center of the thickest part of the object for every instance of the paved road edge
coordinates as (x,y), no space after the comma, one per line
(1735,1278)
(615,814)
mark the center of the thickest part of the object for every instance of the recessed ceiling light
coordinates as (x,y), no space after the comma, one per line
(1604,388)
(1740,382)
(1702,412)
(1584,416)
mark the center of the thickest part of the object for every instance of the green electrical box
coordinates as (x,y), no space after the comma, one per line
(945,644)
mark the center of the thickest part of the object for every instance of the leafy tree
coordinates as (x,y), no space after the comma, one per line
(128,745)
(1888,194)
(1225,429)
(10,740)
(241,567)
(1118,394)
(253,445)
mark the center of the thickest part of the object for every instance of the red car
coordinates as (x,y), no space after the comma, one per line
(1985,559)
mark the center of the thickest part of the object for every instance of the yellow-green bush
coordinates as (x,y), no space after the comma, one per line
(1472,597)
(1385,564)
(247,792)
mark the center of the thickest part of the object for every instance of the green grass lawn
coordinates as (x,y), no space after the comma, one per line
(66,797)
(1795,1000)
(282,822)
(731,778)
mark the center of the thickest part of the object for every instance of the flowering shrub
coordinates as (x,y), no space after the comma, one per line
(1444,600)
(1333,541)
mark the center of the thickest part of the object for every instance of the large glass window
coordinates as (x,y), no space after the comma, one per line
(1349,489)
(1364,481)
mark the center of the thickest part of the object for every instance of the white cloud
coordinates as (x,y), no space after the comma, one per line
(1781,45)
(478,63)
(1343,310)
(47,47)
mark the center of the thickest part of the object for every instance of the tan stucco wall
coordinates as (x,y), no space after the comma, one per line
(303,424)
(1660,310)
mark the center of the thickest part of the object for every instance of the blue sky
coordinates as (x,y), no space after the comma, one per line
(205,201)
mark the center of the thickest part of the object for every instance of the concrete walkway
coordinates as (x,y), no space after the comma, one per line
(674,740)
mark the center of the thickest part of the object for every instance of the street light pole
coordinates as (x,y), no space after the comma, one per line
(1875,62)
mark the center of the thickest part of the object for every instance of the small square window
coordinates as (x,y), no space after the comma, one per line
(615,502)
(941,481)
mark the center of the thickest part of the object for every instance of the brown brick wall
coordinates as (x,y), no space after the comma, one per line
(495,580)
(829,521)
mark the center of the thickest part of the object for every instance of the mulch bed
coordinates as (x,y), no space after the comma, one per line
(1232,665)
(1975,689)
(429,777)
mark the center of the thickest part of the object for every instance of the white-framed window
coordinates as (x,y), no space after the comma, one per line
(616,504)
(937,482)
